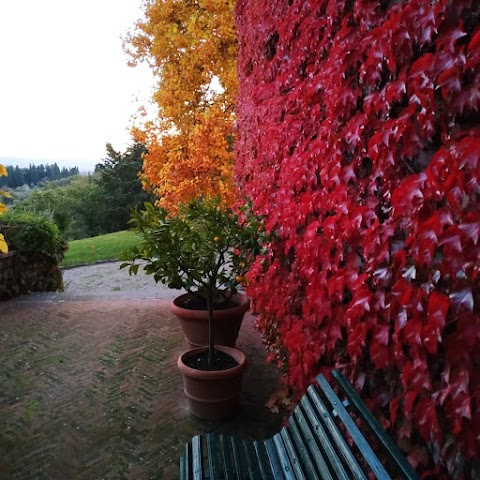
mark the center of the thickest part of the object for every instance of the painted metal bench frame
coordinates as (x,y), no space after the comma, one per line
(313,445)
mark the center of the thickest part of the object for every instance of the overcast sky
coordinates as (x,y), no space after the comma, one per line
(65,87)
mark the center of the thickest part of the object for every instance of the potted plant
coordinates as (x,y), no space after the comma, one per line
(204,250)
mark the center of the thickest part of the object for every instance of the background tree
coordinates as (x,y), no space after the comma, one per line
(73,203)
(191,48)
(35,175)
(121,186)
(73,208)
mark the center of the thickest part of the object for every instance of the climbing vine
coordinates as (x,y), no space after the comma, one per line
(359,140)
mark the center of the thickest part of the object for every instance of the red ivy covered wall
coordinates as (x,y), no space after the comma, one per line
(359,138)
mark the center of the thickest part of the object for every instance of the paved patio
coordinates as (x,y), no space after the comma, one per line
(90,388)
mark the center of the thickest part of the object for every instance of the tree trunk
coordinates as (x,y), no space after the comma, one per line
(211,342)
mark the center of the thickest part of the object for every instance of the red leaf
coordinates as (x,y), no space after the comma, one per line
(308,361)
(408,402)
(426,63)
(474,45)
(426,416)
(363,302)
(404,292)
(418,456)
(393,406)
(415,375)
(468,153)
(335,333)
(380,355)
(382,334)
(471,229)
(463,298)
(401,319)
(356,340)
(354,129)
(409,197)
(473,52)
(449,82)
(438,305)
(458,407)
(426,26)
(395,91)
(446,42)
(469,98)
(452,241)
(410,273)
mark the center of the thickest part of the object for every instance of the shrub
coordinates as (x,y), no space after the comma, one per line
(38,252)
(204,248)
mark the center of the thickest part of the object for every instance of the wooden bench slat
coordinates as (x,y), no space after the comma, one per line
(251,457)
(226,457)
(212,453)
(302,450)
(239,459)
(396,455)
(293,455)
(322,436)
(327,419)
(188,462)
(183,475)
(273,459)
(287,469)
(197,458)
(263,463)
(308,433)
(353,430)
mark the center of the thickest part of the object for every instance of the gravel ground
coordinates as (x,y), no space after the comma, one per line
(108,282)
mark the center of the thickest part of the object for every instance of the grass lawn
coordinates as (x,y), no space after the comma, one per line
(97,249)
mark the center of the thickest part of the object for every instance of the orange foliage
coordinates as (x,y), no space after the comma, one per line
(3,208)
(191,48)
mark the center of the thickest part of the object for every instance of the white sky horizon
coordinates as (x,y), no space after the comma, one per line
(66,89)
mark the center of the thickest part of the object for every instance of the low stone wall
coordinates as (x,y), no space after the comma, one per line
(21,273)
(7,273)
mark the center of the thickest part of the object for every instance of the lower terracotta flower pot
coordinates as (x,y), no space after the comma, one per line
(226,322)
(213,395)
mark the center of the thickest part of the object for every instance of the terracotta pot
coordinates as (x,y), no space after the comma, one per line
(213,395)
(226,323)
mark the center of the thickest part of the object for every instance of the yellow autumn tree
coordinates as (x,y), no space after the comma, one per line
(191,49)
(3,209)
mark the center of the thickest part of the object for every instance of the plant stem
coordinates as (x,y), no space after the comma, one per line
(211,343)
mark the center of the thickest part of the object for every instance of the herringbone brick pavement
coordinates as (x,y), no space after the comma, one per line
(90,390)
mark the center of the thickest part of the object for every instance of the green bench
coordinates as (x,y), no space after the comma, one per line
(314,445)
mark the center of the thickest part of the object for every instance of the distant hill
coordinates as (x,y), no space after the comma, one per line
(35,175)
(84,166)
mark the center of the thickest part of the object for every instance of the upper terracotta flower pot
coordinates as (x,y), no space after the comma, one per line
(226,322)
